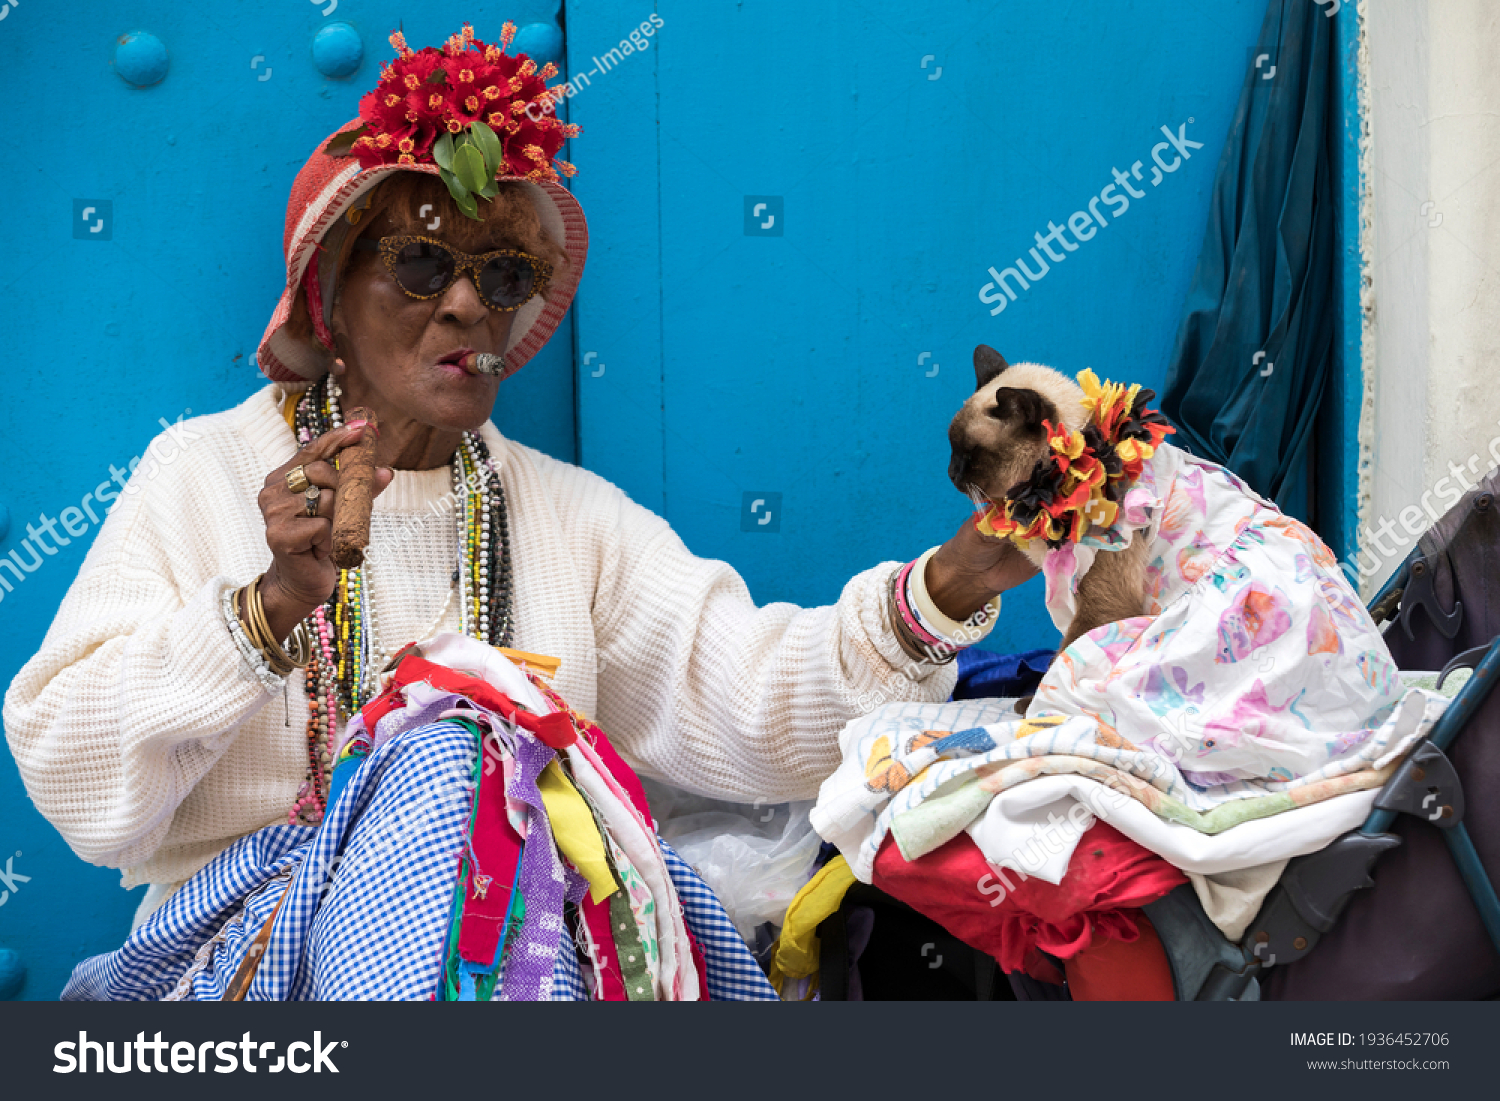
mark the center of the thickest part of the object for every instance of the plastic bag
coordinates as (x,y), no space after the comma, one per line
(755,858)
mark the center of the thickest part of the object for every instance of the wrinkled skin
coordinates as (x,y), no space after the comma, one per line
(389,345)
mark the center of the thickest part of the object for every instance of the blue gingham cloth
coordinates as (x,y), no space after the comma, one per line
(367,900)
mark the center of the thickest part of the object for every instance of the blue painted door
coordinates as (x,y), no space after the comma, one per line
(799,212)
(143,261)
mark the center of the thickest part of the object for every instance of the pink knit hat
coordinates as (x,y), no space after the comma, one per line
(331,193)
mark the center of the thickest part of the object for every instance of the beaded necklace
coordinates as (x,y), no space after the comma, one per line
(347,656)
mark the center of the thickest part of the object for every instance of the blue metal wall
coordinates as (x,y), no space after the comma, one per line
(805,354)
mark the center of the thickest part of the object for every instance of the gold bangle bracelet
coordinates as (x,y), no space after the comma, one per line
(274,652)
(300,640)
(277,658)
(246,620)
(274,655)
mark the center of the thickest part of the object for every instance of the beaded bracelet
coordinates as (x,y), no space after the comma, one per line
(258,630)
(228,606)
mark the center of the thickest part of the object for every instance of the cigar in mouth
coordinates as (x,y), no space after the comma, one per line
(483,363)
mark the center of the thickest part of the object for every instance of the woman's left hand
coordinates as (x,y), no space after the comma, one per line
(971,569)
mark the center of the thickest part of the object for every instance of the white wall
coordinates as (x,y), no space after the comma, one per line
(1433,82)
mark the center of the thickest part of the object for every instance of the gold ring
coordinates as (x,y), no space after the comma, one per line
(311,500)
(296,479)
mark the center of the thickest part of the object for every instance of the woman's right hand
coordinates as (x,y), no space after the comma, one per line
(302,574)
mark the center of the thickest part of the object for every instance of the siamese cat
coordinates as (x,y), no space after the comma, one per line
(998,438)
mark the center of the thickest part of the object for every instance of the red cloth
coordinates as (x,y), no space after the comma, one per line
(607,957)
(498,850)
(1015,919)
(555,730)
(1123,971)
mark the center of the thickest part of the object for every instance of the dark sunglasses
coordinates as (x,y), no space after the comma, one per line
(506,279)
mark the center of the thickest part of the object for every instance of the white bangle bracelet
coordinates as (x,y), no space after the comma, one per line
(976,627)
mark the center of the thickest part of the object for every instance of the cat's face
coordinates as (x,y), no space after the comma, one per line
(998,435)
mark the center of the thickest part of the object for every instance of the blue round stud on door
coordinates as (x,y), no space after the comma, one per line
(542,42)
(141,59)
(337,50)
(12,974)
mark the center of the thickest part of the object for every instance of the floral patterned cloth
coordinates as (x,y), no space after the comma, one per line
(642,907)
(1255,683)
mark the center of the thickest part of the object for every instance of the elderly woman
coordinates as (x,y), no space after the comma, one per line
(202,671)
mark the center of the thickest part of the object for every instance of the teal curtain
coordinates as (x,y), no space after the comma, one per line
(1253,353)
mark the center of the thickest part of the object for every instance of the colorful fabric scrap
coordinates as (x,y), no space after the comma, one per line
(1083,481)
(798,947)
(416,886)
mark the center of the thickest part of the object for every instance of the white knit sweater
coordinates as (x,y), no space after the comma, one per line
(145,737)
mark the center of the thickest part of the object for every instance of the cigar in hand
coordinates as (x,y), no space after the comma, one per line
(356,495)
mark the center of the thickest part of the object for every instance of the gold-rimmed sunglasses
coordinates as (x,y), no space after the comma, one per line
(424,267)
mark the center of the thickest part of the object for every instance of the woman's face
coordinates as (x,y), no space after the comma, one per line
(399,351)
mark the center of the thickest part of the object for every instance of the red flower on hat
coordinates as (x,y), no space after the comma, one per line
(531,146)
(424,94)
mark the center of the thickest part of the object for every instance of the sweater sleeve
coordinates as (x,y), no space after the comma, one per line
(138,687)
(707,691)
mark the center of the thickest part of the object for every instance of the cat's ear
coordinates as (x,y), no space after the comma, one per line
(1026,409)
(987,364)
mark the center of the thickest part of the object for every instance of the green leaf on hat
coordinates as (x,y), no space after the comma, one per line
(456,189)
(467,204)
(468,166)
(437,76)
(491,189)
(340,145)
(489,145)
(442,152)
